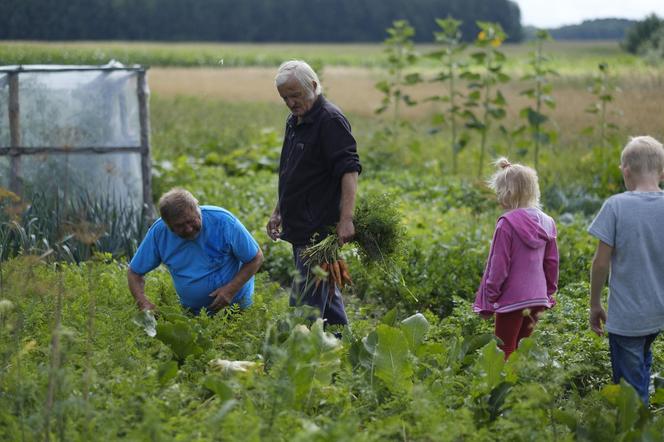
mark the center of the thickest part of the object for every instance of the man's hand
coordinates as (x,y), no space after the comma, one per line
(345,230)
(274,226)
(222,298)
(597,319)
(145,304)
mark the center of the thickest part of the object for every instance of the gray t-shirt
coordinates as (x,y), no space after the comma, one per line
(633,224)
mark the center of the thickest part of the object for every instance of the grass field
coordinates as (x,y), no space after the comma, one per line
(570,57)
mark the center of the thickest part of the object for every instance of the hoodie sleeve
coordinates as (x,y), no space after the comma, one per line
(498,267)
(551,265)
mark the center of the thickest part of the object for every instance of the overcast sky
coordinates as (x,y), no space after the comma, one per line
(549,14)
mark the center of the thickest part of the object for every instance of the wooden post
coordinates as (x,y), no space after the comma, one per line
(146,165)
(14,134)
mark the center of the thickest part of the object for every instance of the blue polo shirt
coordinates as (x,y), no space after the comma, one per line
(201,265)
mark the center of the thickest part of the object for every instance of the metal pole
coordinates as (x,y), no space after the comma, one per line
(14,134)
(144,116)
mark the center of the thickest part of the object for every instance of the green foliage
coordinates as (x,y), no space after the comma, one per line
(379,227)
(225,20)
(642,34)
(174,331)
(541,95)
(449,37)
(596,29)
(401,56)
(69,229)
(74,364)
(485,103)
(604,89)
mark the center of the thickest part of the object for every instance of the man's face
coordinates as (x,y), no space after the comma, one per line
(188,225)
(296,97)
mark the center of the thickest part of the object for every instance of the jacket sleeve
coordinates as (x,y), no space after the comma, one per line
(498,267)
(551,261)
(339,147)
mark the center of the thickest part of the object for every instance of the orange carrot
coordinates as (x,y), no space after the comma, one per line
(337,273)
(345,273)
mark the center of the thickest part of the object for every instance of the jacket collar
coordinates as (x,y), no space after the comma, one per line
(311,114)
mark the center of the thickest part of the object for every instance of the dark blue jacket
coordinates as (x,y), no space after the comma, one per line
(316,153)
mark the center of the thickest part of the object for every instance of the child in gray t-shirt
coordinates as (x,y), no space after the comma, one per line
(630,229)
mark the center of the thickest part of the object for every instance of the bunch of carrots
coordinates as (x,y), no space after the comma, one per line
(325,254)
(337,272)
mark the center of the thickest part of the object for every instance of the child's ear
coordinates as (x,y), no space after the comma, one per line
(625,170)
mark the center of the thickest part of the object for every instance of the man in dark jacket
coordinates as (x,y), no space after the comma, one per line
(317,181)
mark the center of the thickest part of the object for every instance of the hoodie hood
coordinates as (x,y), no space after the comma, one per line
(532,226)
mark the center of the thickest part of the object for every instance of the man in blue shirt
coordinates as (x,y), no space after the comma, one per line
(210,255)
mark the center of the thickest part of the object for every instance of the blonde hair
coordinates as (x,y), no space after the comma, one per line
(515,185)
(302,72)
(643,155)
(175,203)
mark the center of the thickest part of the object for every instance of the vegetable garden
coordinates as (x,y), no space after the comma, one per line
(79,363)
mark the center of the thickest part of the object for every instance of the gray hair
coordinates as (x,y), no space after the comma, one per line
(175,203)
(302,72)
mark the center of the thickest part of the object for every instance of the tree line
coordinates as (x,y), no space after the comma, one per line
(598,29)
(247,21)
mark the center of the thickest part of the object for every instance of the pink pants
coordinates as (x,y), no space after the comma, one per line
(513,326)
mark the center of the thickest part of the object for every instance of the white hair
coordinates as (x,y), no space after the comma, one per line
(301,71)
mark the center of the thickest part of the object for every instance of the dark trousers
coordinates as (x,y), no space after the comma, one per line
(325,298)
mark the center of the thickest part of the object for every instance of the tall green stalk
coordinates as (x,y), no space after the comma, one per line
(483,84)
(401,56)
(603,89)
(540,92)
(449,38)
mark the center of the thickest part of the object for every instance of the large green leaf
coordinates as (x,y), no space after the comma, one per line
(218,387)
(492,362)
(392,361)
(167,371)
(180,338)
(414,329)
(627,402)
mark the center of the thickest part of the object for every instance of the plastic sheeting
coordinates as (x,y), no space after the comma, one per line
(75,109)
(79,109)
(111,178)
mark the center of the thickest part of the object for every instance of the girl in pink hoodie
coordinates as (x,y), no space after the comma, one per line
(521,274)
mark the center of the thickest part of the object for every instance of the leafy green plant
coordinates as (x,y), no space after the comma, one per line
(450,38)
(541,94)
(401,56)
(485,103)
(603,88)
(379,232)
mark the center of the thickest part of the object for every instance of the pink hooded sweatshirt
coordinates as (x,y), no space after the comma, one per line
(522,269)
